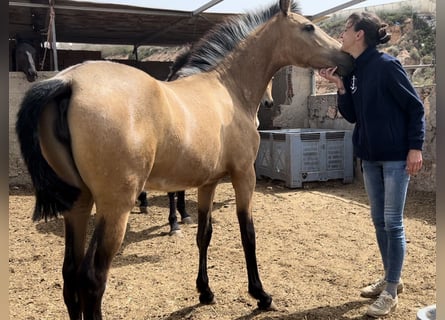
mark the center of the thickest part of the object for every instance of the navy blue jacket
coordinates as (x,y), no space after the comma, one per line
(387,111)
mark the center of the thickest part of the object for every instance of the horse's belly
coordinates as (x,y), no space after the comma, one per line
(168,185)
(182,177)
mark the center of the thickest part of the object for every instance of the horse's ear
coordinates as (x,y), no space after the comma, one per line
(284,6)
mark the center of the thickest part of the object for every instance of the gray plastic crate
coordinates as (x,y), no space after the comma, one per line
(299,155)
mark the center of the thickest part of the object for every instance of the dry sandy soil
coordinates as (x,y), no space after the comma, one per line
(315,248)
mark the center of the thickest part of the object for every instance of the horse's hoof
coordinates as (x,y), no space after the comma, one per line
(187,220)
(270,307)
(143,209)
(177,233)
(207,301)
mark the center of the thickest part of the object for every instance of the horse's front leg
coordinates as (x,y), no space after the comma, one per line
(244,185)
(110,226)
(203,237)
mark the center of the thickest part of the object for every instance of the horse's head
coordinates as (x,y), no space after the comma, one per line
(25,56)
(308,45)
(267,99)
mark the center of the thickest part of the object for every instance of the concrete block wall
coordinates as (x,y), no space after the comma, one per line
(18,85)
(323,113)
(293,113)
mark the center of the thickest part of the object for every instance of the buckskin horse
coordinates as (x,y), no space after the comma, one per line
(179,202)
(99,131)
(177,199)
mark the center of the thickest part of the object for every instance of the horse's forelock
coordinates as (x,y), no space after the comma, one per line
(223,38)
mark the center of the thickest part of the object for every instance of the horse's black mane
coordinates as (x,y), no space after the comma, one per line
(180,62)
(222,39)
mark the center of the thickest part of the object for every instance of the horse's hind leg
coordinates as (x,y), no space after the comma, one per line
(203,237)
(180,205)
(244,185)
(172,219)
(110,225)
(76,223)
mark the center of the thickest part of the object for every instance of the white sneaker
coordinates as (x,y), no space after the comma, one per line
(384,304)
(373,290)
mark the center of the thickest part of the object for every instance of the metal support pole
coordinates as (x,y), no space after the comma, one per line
(313,82)
(53,34)
(135,52)
(205,7)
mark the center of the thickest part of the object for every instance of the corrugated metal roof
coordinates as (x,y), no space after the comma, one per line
(96,23)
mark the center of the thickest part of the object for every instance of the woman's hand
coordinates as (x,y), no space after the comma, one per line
(330,75)
(414,161)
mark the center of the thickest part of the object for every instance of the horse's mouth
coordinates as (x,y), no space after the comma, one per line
(31,77)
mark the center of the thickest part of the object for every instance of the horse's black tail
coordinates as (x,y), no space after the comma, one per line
(53,195)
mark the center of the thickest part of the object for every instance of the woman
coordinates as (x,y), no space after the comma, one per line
(388,137)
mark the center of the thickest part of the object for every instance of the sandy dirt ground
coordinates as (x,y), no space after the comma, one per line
(315,247)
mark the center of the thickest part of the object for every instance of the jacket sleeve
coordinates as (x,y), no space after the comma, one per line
(408,100)
(345,104)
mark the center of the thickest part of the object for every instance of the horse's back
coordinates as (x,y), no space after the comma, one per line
(108,121)
(100,72)
(110,91)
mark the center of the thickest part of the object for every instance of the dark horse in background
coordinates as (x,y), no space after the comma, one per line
(182,61)
(98,133)
(25,57)
(176,201)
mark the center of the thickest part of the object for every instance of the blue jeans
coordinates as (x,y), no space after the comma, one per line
(386,183)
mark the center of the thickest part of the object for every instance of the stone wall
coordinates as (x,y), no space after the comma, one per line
(420,6)
(303,109)
(323,113)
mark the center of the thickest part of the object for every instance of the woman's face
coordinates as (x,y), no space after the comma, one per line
(348,37)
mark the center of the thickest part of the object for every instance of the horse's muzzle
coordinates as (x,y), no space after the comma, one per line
(346,65)
(31,76)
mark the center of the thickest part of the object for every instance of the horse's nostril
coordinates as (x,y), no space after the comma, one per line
(268,104)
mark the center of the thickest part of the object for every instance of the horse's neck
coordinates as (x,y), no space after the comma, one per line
(249,69)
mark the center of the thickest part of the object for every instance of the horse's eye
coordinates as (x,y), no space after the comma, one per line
(309,28)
